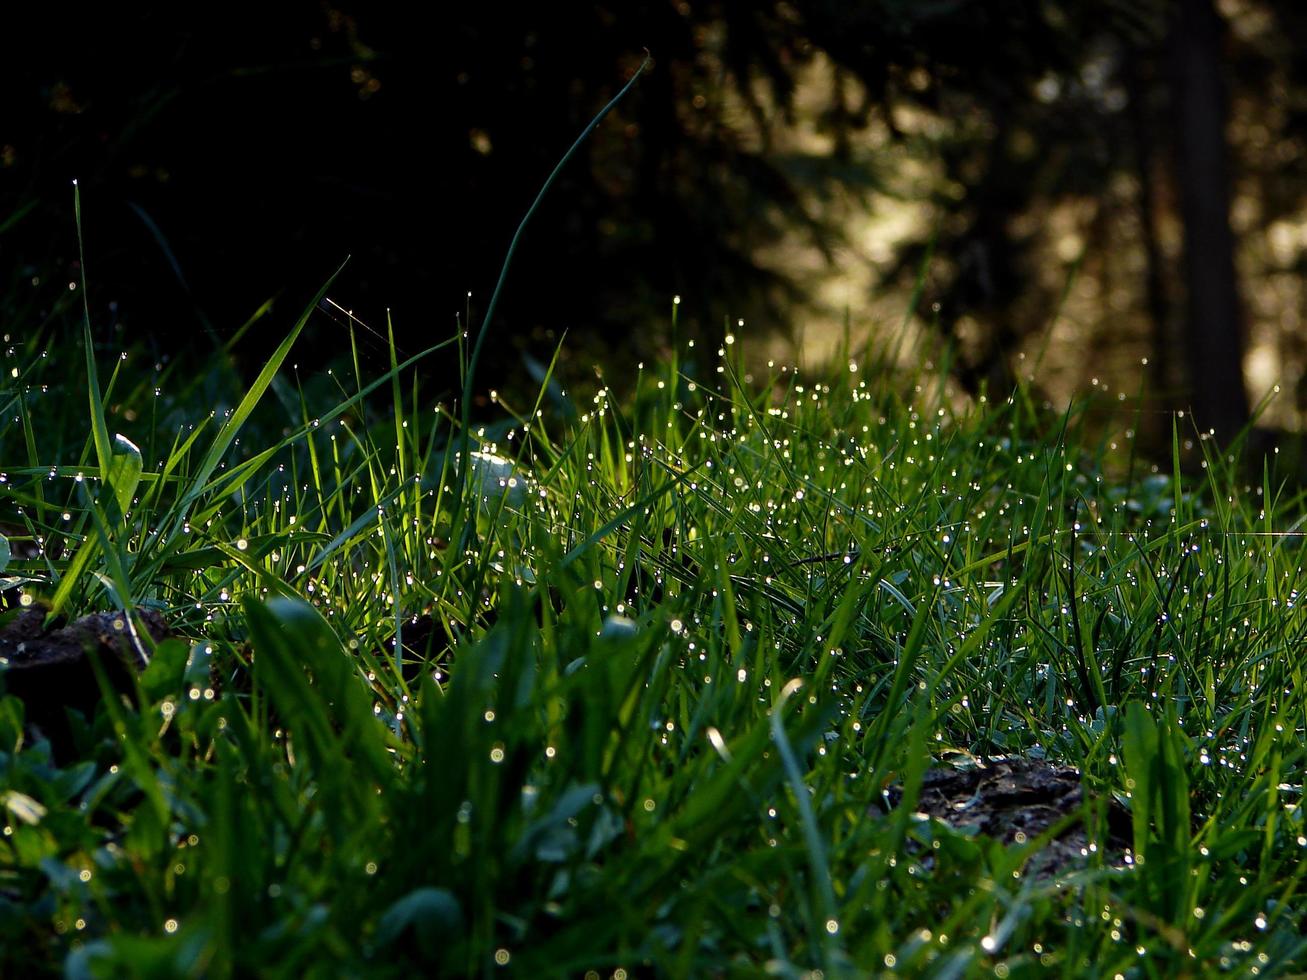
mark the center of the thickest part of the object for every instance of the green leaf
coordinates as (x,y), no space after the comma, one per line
(433,914)
(1139,749)
(330,718)
(124,474)
(1173,788)
(164,676)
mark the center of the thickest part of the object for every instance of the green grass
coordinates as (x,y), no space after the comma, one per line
(685,639)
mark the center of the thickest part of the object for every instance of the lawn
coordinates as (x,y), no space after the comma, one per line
(656,683)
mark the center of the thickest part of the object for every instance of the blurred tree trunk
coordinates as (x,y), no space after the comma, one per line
(1163,369)
(1214,325)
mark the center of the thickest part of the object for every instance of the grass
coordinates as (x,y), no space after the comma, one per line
(628,685)
(667,654)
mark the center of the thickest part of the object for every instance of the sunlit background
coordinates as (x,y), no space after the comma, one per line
(1109,199)
(1091,326)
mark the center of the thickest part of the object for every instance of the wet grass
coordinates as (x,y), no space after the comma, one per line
(662,657)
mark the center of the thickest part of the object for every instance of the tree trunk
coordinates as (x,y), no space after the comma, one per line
(1214,327)
(1143,120)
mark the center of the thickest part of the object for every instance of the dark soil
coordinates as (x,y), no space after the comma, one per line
(1015,801)
(424,646)
(51,670)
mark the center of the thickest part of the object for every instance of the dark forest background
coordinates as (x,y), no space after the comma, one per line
(227,155)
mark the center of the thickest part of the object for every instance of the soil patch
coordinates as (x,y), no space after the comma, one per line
(1015,801)
(50,670)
